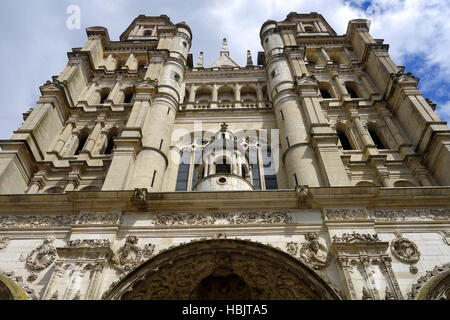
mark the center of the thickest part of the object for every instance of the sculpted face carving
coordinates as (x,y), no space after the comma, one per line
(222,269)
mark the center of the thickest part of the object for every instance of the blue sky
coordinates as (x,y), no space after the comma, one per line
(35,38)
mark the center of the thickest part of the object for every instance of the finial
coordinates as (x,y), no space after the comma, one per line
(200,60)
(224,127)
(224,51)
(249,59)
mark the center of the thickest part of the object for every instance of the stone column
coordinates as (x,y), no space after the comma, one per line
(298,156)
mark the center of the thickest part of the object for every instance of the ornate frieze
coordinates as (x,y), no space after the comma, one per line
(356,237)
(257,217)
(19,221)
(345,214)
(42,257)
(99,218)
(404,249)
(88,243)
(355,214)
(411,215)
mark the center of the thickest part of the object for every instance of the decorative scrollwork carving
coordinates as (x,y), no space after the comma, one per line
(404,249)
(129,256)
(411,214)
(99,218)
(36,221)
(355,237)
(42,257)
(89,243)
(345,214)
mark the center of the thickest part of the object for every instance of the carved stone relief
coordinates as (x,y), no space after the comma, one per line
(78,270)
(30,293)
(41,257)
(302,194)
(140,198)
(220,218)
(366,268)
(446,237)
(179,274)
(130,255)
(352,214)
(438,290)
(311,252)
(99,218)
(404,249)
(4,242)
(36,221)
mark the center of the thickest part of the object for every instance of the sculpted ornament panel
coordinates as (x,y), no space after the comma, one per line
(88,243)
(130,255)
(220,218)
(42,257)
(356,237)
(312,252)
(99,218)
(37,221)
(411,215)
(404,249)
(345,214)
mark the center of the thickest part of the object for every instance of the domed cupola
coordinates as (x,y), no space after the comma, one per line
(225,166)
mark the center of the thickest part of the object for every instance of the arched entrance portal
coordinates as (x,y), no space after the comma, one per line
(10,290)
(223,269)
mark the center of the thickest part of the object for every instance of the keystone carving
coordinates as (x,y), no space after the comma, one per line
(302,193)
(140,198)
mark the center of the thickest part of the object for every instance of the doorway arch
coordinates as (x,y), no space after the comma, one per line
(10,290)
(223,269)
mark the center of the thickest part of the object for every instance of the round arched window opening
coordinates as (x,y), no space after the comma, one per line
(222,180)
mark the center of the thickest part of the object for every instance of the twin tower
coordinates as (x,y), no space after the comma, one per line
(318,109)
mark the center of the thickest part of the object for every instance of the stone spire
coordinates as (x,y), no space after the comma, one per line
(224,51)
(200,60)
(249,59)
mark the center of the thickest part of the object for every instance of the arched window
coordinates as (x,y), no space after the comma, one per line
(82,138)
(90,189)
(183,171)
(203,95)
(54,190)
(366,184)
(128,95)
(343,139)
(190,166)
(223,167)
(352,90)
(376,138)
(270,176)
(403,184)
(112,134)
(309,29)
(226,94)
(325,90)
(104,94)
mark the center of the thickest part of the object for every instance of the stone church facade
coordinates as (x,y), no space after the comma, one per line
(318,172)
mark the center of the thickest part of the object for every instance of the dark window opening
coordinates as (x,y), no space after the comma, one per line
(325,94)
(128,97)
(270,176)
(376,139)
(81,143)
(223,168)
(154,177)
(183,172)
(104,94)
(346,145)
